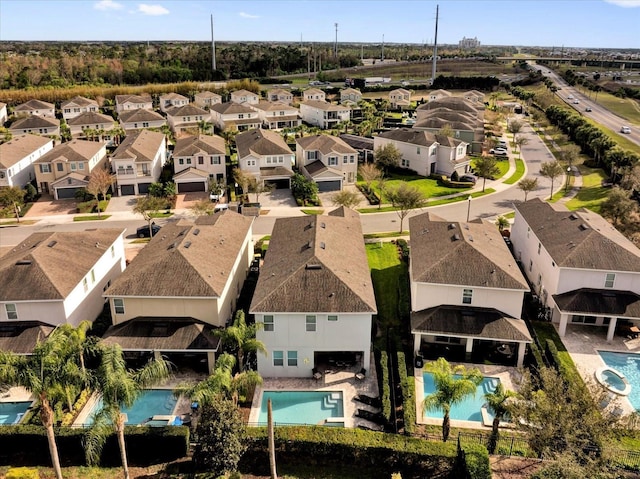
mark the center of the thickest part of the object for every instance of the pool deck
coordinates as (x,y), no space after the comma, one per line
(16,394)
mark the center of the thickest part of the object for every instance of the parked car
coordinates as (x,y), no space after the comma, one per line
(468,178)
(498,151)
(588,109)
(216,196)
(502,144)
(625,129)
(143,231)
(570,97)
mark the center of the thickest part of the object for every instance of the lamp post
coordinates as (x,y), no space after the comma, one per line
(566,186)
(468,207)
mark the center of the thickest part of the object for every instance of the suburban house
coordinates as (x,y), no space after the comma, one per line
(137,162)
(350,96)
(327,160)
(66,168)
(77,105)
(399,98)
(3,113)
(313,94)
(198,159)
(58,278)
(206,99)
(133,102)
(439,94)
(427,153)
(276,115)
(187,118)
(280,95)
(314,296)
(92,125)
(474,96)
(39,125)
(139,119)
(181,286)
(171,100)
(467,291)
(35,107)
(324,115)
(245,96)
(17,157)
(234,115)
(580,267)
(265,155)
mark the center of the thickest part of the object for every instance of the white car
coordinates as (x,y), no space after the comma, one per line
(216,196)
(576,101)
(625,129)
(498,151)
(570,97)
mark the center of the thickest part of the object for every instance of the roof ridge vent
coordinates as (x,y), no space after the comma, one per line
(23,262)
(196,232)
(323,225)
(172,245)
(51,243)
(187,244)
(322,245)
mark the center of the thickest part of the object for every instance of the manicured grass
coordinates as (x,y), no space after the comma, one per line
(15,222)
(91,218)
(428,187)
(476,194)
(390,234)
(164,214)
(509,216)
(387,273)
(519,173)
(312,212)
(502,165)
(624,107)
(592,193)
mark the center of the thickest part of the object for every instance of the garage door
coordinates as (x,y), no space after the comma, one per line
(190,187)
(278,184)
(66,193)
(324,186)
(143,188)
(127,190)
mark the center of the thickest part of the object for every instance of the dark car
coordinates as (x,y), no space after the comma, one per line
(143,231)
(468,178)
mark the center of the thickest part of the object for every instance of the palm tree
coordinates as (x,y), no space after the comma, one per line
(450,390)
(242,336)
(551,170)
(119,386)
(497,402)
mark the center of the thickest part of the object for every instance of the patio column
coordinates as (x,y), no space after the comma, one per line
(211,361)
(157,355)
(468,349)
(611,330)
(563,324)
(522,349)
(417,339)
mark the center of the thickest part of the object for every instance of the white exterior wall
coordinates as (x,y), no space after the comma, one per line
(205,101)
(134,106)
(73,110)
(205,309)
(351,332)
(178,122)
(76,130)
(571,279)
(50,312)
(154,168)
(45,112)
(143,124)
(3,115)
(317,117)
(210,168)
(420,157)
(252,99)
(23,171)
(48,131)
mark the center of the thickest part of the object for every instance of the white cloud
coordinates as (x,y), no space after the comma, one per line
(152,9)
(248,15)
(625,3)
(107,5)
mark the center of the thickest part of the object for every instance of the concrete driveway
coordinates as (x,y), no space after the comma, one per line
(275,199)
(121,203)
(47,206)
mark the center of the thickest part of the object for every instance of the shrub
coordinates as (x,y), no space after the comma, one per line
(455,176)
(22,473)
(404,249)
(31,193)
(386,391)
(476,461)
(408,396)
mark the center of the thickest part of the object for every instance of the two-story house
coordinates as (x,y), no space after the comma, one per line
(66,168)
(276,115)
(171,100)
(59,277)
(313,94)
(137,162)
(245,96)
(92,126)
(133,102)
(3,113)
(350,96)
(427,153)
(181,286)
(206,99)
(439,94)
(314,295)
(234,115)
(467,291)
(474,96)
(280,95)
(324,115)
(132,120)
(198,160)
(327,160)
(399,98)
(35,107)
(187,118)
(77,105)
(581,268)
(265,155)
(17,157)
(38,125)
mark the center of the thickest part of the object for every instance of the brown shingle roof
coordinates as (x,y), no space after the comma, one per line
(20,147)
(325,144)
(47,266)
(173,96)
(231,108)
(579,239)
(273,106)
(34,105)
(34,121)
(140,114)
(187,110)
(80,101)
(20,337)
(179,262)
(142,146)
(468,254)
(189,145)
(89,118)
(316,167)
(144,98)
(325,106)
(597,301)
(315,264)
(74,150)
(261,142)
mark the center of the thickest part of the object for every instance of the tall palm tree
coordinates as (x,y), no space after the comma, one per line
(119,387)
(242,336)
(453,384)
(43,373)
(498,404)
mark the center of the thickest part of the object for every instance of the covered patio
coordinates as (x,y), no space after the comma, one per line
(468,332)
(20,337)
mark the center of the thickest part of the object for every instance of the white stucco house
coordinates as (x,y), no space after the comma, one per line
(350,96)
(35,107)
(581,268)
(280,95)
(276,115)
(322,114)
(197,160)
(467,291)
(314,295)
(245,96)
(77,105)
(133,102)
(171,100)
(131,120)
(187,118)
(234,115)
(400,97)
(137,162)
(92,125)
(327,160)
(206,99)
(314,94)
(17,158)
(265,155)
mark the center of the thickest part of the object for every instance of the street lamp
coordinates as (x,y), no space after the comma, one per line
(566,186)
(468,207)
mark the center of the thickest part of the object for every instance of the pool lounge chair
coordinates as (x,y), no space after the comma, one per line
(376,417)
(371,427)
(368,400)
(316,374)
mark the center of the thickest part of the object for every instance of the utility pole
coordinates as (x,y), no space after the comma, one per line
(435,49)
(213,47)
(382,52)
(335,47)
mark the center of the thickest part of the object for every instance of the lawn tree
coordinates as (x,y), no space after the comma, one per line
(303,188)
(527,185)
(346,198)
(258,187)
(446,130)
(369,173)
(450,390)
(498,404)
(405,198)
(486,167)
(551,170)
(243,179)
(569,154)
(520,142)
(502,223)
(618,206)
(631,178)
(514,127)
(387,156)
(148,207)
(100,181)
(382,189)
(241,337)
(12,197)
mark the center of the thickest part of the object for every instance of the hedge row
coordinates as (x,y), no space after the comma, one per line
(371,195)
(408,396)
(476,461)
(384,379)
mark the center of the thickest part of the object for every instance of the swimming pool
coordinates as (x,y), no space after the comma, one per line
(629,365)
(12,412)
(467,410)
(302,407)
(152,402)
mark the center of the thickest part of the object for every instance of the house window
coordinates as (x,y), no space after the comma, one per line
(60,167)
(93,276)
(188,161)
(530,265)
(201,160)
(215,160)
(113,251)
(73,166)
(278,358)
(405,163)
(85,284)
(609,280)
(352,159)
(145,124)
(311,322)
(181,161)
(118,305)
(240,116)
(81,166)
(467,295)
(251,162)
(12,311)
(582,319)
(268,322)
(345,159)
(292,358)
(418,150)
(312,155)
(45,168)
(333,161)
(332,317)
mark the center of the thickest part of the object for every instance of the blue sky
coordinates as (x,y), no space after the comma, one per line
(569,23)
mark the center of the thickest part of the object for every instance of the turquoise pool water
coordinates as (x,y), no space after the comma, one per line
(629,365)
(302,407)
(152,402)
(467,410)
(12,412)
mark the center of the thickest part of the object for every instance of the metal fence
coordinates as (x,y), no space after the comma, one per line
(506,445)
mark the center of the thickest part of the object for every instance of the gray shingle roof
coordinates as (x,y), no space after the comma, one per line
(579,239)
(20,147)
(598,301)
(212,144)
(90,118)
(34,105)
(187,110)
(20,337)
(325,144)
(261,142)
(419,137)
(142,146)
(143,98)
(34,121)
(315,264)
(80,101)
(141,114)
(232,108)
(467,254)
(325,106)
(74,150)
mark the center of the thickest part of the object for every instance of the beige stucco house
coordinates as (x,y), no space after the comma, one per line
(327,160)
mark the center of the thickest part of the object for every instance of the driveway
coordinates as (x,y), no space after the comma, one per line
(121,203)
(275,199)
(187,200)
(47,206)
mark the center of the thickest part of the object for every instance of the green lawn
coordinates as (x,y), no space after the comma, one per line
(502,165)
(517,175)
(427,186)
(312,212)
(592,194)
(163,214)
(387,274)
(91,218)
(624,107)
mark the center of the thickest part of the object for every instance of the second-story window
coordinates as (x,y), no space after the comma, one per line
(609,280)
(268,322)
(311,322)
(467,296)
